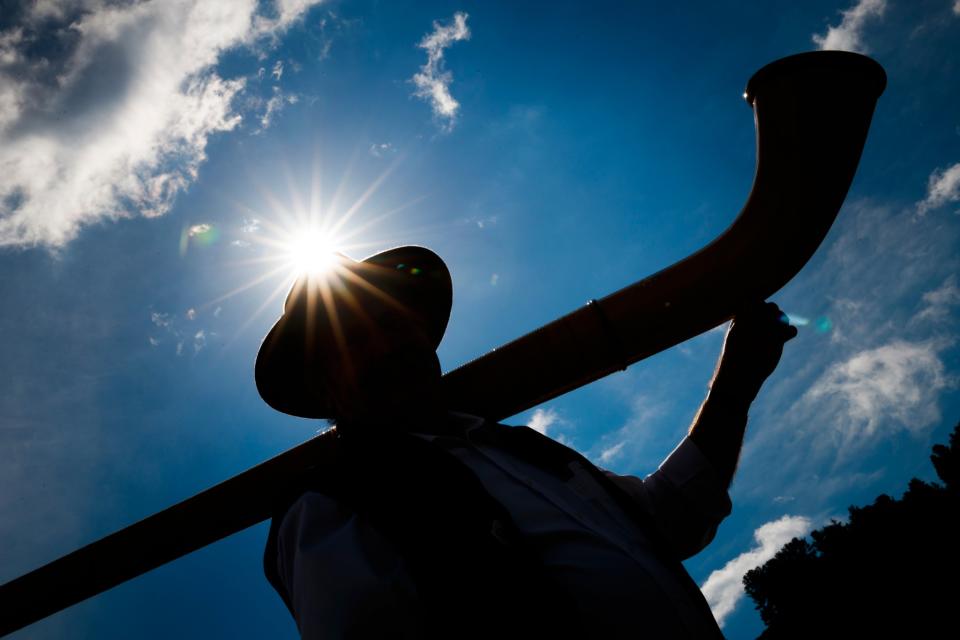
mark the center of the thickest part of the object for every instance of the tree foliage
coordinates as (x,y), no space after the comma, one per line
(888,572)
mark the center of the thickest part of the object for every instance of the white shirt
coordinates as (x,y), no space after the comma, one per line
(339,571)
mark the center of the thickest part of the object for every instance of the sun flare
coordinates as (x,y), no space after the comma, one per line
(312,252)
(301,235)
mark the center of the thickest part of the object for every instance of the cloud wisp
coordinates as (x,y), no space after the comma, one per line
(943,187)
(848,35)
(433,80)
(542,420)
(939,302)
(169,328)
(895,385)
(635,445)
(382,149)
(274,105)
(98,120)
(547,421)
(723,588)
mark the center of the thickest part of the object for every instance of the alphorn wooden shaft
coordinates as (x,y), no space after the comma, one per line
(812,112)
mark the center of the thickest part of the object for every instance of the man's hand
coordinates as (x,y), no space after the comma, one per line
(752,348)
(751,351)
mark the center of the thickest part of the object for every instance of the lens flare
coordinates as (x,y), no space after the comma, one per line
(797,321)
(203,234)
(198,235)
(823,324)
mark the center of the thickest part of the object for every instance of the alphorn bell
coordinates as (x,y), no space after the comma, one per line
(812,114)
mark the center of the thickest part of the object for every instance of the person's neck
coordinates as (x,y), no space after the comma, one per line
(433,420)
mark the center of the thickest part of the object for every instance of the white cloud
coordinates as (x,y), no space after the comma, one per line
(542,420)
(250,225)
(275,105)
(943,187)
(113,118)
(723,588)
(199,340)
(333,26)
(482,222)
(647,434)
(160,319)
(285,13)
(178,330)
(277,71)
(381,149)
(612,452)
(199,229)
(878,389)
(937,303)
(547,421)
(433,81)
(849,35)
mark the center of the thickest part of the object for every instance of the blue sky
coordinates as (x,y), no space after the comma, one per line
(154,153)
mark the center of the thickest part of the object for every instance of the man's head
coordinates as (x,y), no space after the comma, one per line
(359,342)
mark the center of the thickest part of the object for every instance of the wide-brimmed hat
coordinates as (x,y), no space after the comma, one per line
(411,281)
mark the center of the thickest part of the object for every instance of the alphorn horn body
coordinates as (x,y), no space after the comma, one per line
(812,113)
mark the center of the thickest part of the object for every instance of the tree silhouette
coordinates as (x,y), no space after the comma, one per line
(888,572)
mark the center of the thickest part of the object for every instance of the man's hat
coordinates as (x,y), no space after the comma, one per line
(411,281)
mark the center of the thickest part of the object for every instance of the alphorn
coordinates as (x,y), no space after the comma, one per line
(812,113)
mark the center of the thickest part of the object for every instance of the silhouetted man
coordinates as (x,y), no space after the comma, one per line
(433,523)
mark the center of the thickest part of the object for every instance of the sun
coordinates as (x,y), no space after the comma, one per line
(311,251)
(303,239)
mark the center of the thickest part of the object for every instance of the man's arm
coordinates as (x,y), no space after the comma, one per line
(751,351)
(684,496)
(687,495)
